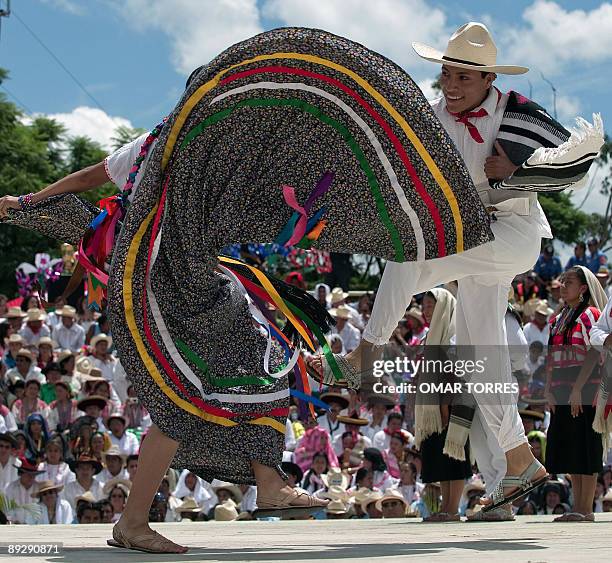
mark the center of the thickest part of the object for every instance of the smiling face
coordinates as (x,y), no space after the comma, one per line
(464,89)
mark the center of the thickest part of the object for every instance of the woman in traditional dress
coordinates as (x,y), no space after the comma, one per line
(573,378)
(290,116)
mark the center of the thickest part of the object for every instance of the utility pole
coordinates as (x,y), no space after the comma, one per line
(5,11)
(554,91)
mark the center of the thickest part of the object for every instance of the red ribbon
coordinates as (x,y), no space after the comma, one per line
(462,117)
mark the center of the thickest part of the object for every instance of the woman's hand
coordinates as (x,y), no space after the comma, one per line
(575,401)
(8,202)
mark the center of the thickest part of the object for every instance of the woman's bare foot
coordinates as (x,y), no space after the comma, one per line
(143,537)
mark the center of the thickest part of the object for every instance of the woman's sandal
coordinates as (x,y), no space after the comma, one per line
(350,380)
(442,517)
(147,543)
(284,508)
(523,482)
(575,517)
(500,514)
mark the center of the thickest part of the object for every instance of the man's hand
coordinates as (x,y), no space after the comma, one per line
(500,166)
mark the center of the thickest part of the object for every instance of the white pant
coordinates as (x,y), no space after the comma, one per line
(484,275)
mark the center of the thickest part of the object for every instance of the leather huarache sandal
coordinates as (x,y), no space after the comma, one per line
(524,485)
(147,543)
(575,517)
(286,506)
(500,514)
(350,378)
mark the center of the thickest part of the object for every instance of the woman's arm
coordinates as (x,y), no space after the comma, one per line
(81,181)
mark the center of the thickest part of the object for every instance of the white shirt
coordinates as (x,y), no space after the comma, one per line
(350,336)
(290,440)
(517,343)
(63,514)
(334,428)
(8,421)
(18,493)
(59,474)
(602,328)
(72,338)
(105,476)
(248,502)
(34,372)
(474,154)
(118,164)
(128,443)
(107,367)
(32,339)
(74,489)
(381,440)
(533,333)
(8,473)
(372,429)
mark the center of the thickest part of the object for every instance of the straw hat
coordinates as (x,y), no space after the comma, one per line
(336,506)
(84,364)
(64,355)
(391,494)
(332,397)
(85,458)
(35,315)
(15,313)
(27,466)
(476,485)
(544,309)
(362,494)
(114,451)
(226,511)
(110,485)
(25,353)
(188,505)
(336,492)
(8,437)
(232,489)
(87,496)
(470,47)
(341,312)
(531,414)
(91,400)
(337,295)
(66,311)
(336,478)
(45,486)
(353,419)
(101,338)
(15,339)
(115,416)
(46,341)
(416,314)
(374,496)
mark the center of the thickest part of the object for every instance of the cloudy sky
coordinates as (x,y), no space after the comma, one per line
(132,56)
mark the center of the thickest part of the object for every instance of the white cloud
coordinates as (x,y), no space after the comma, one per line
(67,6)
(590,199)
(92,123)
(568,108)
(554,37)
(387,26)
(426,87)
(198,29)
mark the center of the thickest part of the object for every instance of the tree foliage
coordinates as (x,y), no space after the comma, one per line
(34,154)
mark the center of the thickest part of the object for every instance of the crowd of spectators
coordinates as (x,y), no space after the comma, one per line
(71,425)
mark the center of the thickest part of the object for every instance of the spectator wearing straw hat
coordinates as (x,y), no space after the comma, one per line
(368,504)
(85,467)
(117,492)
(93,406)
(189,510)
(113,460)
(392,504)
(349,334)
(15,343)
(25,368)
(538,328)
(68,334)
(14,317)
(45,352)
(337,298)
(54,509)
(8,462)
(337,509)
(329,421)
(34,328)
(101,358)
(21,489)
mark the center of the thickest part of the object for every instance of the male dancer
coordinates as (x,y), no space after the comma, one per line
(471,110)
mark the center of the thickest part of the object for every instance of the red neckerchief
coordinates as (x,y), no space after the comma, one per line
(464,116)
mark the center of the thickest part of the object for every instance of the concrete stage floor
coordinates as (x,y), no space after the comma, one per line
(529,538)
